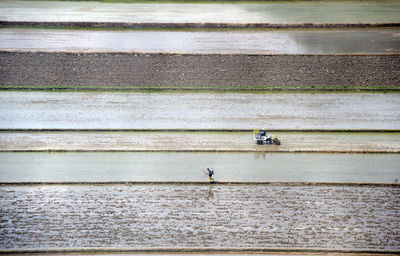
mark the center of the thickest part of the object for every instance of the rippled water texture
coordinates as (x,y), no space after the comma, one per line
(192,216)
(199,110)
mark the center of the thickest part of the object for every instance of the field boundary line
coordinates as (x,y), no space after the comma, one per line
(195,130)
(33,51)
(202,183)
(79,24)
(247,250)
(261,150)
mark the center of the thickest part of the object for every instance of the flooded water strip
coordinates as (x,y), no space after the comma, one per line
(200,141)
(305,217)
(263,12)
(190,166)
(240,41)
(188,110)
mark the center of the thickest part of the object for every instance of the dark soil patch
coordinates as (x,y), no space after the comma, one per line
(129,70)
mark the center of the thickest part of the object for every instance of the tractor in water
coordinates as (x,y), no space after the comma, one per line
(262,137)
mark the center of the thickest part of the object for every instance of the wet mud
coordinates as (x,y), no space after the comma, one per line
(164,25)
(348,142)
(192,216)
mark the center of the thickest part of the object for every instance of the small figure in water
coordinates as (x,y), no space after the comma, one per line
(210,173)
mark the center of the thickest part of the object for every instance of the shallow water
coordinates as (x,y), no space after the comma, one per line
(36,109)
(269,12)
(224,41)
(171,216)
(373,142)
(296,167)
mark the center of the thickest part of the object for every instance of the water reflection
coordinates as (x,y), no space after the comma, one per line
(269,12)
(118,110)
(224,41)
(324,12)
(126,166)
(260,155)
(210,193)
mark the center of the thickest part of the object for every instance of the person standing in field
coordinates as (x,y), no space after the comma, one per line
(210,173)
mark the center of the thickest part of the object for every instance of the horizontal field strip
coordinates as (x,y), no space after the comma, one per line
(202,41)
(196,71)
(193,89)
(193,130)
(193,25)
(351,151)
(195,250)
(190,54)
(263,183)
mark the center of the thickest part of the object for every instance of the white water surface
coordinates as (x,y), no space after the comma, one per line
(166,110)
(210,42)
(266,12)
(186,166)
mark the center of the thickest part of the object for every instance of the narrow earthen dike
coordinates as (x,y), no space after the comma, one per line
(124,70)
(79,24)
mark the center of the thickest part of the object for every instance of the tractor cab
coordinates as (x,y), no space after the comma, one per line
(261,137)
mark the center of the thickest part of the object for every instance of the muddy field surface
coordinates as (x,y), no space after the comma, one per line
(125,110)
(267,12)
(191,166)
(192,216)
(222,41)
(377,142)
(123,70)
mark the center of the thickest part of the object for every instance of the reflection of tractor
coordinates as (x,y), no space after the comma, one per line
(261,138)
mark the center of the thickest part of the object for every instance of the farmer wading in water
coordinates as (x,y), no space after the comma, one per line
(210,173)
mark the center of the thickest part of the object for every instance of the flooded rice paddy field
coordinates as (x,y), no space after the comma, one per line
(334,142)
(221,41)
(267,12)
(171,216)
(191,216)
(124,110)
(190,166)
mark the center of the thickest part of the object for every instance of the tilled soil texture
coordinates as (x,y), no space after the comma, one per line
(130,70)
(144,216)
